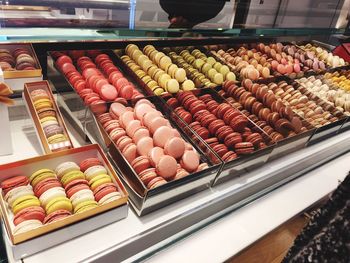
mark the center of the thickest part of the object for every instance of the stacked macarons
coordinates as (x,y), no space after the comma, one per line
(51,195)
(54,132)
(19,59)
(153,148)
(25,206)
(101,185)
(76,186)
(156,70)
(95,77)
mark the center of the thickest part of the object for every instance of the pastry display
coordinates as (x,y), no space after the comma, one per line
(326,90)
(264,109)
(324,55)
(340,78)
(308,109)
(95,77)
(49,195)
(149,143)
(54,130)
(18,59)
(249,63)
(156,70)
(223,128)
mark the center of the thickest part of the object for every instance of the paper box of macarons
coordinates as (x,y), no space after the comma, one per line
(49,124)
(53,198)
(159,161)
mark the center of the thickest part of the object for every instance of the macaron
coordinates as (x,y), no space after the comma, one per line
(50,194)
(59,203)
(175,147)
(109,198)
(24,202)
(94,171)
(140,164)
(87,163)
(166,167)
(40,175)
(45,185)
(29,213)
(76,186)
(17,192)
(56,215)
(190,161)
(71,176)
(103,190)
(13,182)
(84,206)
(26,226)
(144,145)
(65,168)
(82,196)
(162,135)
(99,180)
(156,182)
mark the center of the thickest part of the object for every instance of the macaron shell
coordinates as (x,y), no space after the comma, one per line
(99,180)
(24,202)
(113,196)
(166,167)
(26,226)
(162,135)
(95,171)
(59,203)
(175,147)
(18,192)
(57,215)
(190,161)
(50,194)
(87,163)
(103,190)
(29,213)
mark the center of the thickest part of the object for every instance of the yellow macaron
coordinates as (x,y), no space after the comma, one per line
(49,118)
(57,138)
(24,202)
(84,206)
(99,180)
(73,175)
(42,103)
(59,203)
(40,175)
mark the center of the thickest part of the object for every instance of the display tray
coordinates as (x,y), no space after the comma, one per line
(22,73)
(47,147)
(289,144)
(316,44)
(54,233)
(243,163)
(146,200)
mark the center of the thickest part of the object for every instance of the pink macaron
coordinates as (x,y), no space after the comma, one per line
(175,147)
(144,145)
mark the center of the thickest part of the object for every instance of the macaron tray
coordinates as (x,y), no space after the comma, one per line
(155,71)
(240,144)
(46,193)
(19,61)
(156,158)
(47,118)
(331,61)
(275,59)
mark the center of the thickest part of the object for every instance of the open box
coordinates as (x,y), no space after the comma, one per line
(33,241)
(44,85)
(146,200)
(17,78)
(241,164)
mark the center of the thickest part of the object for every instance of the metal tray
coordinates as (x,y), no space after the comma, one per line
(147,200)
(241,164)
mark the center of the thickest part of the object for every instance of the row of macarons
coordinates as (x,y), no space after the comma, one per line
(50,195)
(95,77)
(150,144)
(55,134)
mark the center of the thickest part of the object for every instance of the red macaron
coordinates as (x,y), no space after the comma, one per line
(29,213)
(104,190)
(89,162)
(13,182)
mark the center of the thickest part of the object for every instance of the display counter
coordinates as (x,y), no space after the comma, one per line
(278,145)
(226,212)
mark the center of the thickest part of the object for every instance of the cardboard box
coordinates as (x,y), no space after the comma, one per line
(28,88)
(22,73)
(51,234)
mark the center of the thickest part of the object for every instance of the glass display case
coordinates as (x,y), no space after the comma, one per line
(279,56)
